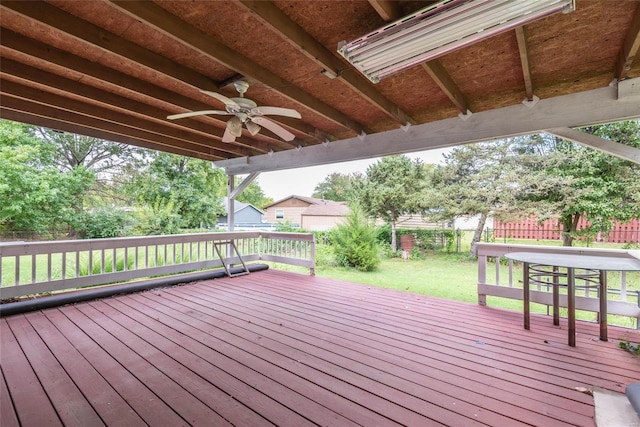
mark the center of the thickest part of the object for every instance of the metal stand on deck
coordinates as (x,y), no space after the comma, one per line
(232,245)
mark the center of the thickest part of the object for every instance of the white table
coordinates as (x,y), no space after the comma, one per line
(571,262)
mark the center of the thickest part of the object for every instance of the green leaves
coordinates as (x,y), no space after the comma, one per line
(355,242)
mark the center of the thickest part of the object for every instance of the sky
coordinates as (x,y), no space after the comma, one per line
(302,181)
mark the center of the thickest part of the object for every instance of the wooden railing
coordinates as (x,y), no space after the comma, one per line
(28,268)
(505,282)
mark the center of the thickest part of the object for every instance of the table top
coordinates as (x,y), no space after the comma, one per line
(595,262)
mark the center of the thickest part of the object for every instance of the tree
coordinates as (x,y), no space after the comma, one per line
(108,161)
(392,187)
(479,179)
(590,184)
(337,187)
(355,241)
(184,186)
(253,195)
(35,196)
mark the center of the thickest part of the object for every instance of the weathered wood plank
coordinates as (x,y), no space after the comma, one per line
(395,364)
(143,400)
(28,396)
(8,415)
(279,348)
(111,408)
(69,403)
(191,411)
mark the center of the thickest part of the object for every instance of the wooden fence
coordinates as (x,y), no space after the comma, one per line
(551,230)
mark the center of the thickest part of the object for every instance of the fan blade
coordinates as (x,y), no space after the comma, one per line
(274,127)
(228,136)
(220,97)
(234,126)
(275,111)
(197,113)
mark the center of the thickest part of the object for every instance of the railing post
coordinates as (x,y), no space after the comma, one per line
(482,278)
(312,270)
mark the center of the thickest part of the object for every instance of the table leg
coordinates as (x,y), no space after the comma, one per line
(525,296)
(571,305)
(603,305)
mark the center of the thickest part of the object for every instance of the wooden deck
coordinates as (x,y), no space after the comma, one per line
(280,348)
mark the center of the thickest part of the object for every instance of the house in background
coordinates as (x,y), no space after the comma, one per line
(308,213)
(245,216)
(323,217)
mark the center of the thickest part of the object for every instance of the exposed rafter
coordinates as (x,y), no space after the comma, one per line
(387,9)
(86,32)
(141,112)
(623,151)
(444,81)
(63,59)
(177,29)
(524,60)
(303,41)
(390,11)
(61,125)
(630,47)
(59,107)
(575,110)
(54,113)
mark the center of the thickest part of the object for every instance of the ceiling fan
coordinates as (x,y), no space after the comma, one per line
(247,112)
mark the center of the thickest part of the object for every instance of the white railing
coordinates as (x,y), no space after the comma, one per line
(28,268)
(507,283)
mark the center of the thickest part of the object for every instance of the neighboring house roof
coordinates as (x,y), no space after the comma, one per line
(238,206)
(330,209)
(310,200)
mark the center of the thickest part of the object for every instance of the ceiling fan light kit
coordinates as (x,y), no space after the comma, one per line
(245,112)
(439,29)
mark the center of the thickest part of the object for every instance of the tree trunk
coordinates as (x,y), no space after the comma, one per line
(478,234)
(394,240)
(569,223)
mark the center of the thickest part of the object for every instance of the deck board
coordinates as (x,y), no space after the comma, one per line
(281,348)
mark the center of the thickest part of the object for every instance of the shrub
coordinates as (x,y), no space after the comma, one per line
(355,242)
(103,223)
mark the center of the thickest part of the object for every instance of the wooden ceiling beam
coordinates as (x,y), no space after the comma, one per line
(295,35)
(19,97)
(437,72)
(152,117)
(172,26)
(524,60)
(86,32)
(390,11)
(578,109)
(41,115)
(387,9)
(94,70)
(629,48)
(623,151)
(54,124)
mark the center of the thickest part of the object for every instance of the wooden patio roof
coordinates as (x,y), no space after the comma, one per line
(280,348)
(116,69)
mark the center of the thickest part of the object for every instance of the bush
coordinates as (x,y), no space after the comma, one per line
(160,218)
(103,223)
(355,242)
